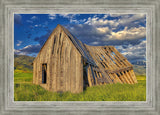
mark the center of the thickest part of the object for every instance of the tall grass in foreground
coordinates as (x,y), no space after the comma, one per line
(24,90)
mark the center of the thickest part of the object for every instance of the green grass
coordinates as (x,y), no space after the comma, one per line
(141,77)
(20,77)
(24,90)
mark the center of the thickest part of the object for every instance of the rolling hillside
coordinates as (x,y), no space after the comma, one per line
(139,70)
(22,62)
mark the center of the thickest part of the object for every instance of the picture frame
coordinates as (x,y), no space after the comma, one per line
(9,106)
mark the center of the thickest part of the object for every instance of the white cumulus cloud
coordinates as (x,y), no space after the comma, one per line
(132,33)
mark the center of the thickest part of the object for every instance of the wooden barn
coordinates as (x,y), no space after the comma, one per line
(64,63)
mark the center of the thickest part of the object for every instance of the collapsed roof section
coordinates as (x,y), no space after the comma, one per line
(113,67)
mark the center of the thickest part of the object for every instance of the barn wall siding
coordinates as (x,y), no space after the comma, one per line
(64,67)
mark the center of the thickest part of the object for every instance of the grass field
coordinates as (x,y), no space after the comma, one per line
(24,90)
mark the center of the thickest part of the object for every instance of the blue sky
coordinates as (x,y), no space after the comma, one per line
(127,32)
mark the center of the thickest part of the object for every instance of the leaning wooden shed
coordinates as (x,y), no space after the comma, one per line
(64,63)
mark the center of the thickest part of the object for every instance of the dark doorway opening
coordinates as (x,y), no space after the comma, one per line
(44,73)
(85,78)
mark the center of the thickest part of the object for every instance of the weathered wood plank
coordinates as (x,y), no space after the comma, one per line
(68,81)
(63,64)
(133,76)
(74,71)
(125,77)
(71,69)
(121,78)
(117,78)
(89,74)
(128,76)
